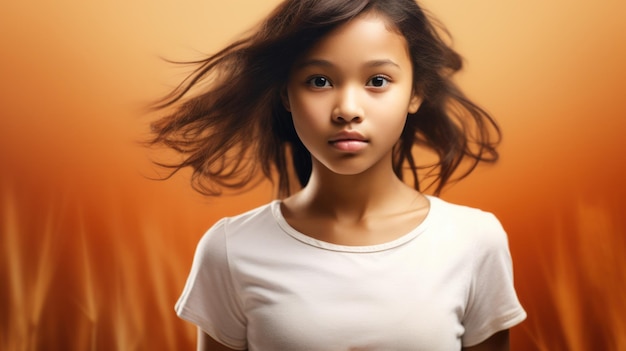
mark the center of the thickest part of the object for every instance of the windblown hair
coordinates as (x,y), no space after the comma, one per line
(237,125)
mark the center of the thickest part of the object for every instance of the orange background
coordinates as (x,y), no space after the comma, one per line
(93,254)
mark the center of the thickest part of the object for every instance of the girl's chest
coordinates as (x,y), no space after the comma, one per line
(355,304)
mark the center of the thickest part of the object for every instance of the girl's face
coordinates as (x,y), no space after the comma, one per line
(350,94)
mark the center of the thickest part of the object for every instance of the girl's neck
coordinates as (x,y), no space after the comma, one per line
(354,197)
(369,208)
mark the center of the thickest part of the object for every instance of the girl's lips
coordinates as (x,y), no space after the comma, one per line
(349,145)
(346,135)
(349,141)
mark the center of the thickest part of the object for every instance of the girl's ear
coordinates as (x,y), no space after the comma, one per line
(285,99)
(414,103)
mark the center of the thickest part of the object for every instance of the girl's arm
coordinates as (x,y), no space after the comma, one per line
(206,343)
(497,342)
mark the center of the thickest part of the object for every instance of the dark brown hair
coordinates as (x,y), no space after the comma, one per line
(236,124)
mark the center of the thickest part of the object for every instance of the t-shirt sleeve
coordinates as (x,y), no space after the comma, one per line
(209,299)
(493,304)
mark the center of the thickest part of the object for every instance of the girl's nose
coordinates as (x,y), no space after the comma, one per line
(347,108)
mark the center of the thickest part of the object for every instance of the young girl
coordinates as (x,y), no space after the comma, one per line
(338,94)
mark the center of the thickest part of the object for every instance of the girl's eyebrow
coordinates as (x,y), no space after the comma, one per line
(378,63)
(325,63)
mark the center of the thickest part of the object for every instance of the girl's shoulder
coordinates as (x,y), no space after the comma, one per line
(466,221)
(255,216)
(256,220)
(247,229)
(458,211)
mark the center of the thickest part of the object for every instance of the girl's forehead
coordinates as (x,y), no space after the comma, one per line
(366,35)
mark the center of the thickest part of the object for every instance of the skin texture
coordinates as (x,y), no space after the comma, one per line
(356,80)
(349,97)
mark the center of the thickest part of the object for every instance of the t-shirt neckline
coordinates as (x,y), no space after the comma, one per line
(412,234)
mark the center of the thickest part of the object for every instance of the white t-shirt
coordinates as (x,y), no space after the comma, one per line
(258,284)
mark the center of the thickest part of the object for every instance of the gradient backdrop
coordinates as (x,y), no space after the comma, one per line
(93,254)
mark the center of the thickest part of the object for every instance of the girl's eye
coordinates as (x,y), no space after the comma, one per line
(378,82)
(319,82)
